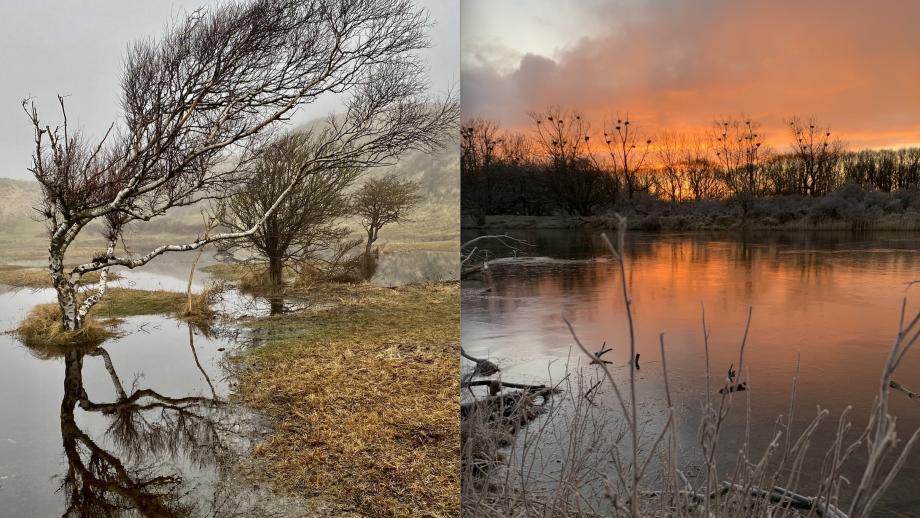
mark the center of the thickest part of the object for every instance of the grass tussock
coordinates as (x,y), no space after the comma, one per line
(26,277)
(127,302)
(42,328)
(199,306)
(363,393)
(43,331)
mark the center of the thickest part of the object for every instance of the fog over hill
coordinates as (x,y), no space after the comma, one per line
(438,176)
(17,199)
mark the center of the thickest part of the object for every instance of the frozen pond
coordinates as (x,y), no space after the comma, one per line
(832,299)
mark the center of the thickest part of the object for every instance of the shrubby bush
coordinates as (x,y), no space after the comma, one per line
(850,206)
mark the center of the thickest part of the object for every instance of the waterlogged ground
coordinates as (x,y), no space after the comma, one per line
(397,268)
(144,421)
(141,422)
(831,300)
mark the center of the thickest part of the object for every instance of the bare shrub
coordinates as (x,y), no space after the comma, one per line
(307,225)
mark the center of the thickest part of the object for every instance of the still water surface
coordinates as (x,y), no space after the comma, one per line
(830,299)
(141,422)
(142,425)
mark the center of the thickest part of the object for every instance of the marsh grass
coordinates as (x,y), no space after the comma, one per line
(362,393)
(26,277)
(42,329)
(252,277)
(198,306)
(636,465)
(42,326)
(126,302)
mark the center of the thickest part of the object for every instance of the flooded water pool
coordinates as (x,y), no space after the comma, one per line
(397,268)
(143,422)
(830,301)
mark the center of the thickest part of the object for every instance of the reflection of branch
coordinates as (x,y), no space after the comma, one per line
(102,485)
(116,381)
(161,401)
(101,482)
(191,344)
(105,473)
(467,254)
(897,386)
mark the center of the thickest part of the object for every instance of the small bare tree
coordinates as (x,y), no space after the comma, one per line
(817,154)
(305,225)
(381,201)
(562,139)
(628,149)
(198,102)
(702,181)
(672,167)
(739,149)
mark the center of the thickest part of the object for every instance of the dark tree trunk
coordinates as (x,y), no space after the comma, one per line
(275,271)
(369,262)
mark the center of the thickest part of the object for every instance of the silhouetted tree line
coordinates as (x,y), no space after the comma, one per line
(562,166)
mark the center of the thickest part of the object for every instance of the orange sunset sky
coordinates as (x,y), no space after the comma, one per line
(678,65)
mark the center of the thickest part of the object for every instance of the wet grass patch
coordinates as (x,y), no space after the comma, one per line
(128,302)
(27,277)
(42,327)
(43,330)
(362,390)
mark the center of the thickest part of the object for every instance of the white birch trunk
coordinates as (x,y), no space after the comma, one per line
(66,292)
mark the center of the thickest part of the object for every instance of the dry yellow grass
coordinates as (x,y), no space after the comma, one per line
(25,277)
(199,308)
(42,330)
(363,393)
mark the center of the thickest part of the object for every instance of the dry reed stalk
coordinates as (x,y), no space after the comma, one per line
(763,485)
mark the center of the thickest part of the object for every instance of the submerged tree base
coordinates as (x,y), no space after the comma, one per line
(198,307)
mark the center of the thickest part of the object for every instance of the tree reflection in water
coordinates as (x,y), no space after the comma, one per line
(151,442)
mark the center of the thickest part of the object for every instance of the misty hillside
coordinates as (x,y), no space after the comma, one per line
(438,176)
(17,199)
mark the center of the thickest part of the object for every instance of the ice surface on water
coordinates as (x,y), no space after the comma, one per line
(831,299)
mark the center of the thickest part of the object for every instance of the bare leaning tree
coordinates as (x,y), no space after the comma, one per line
(381,201)
(306,225)
(198,101)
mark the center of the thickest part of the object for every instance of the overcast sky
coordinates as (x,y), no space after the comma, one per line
(675,64)
(76,48)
